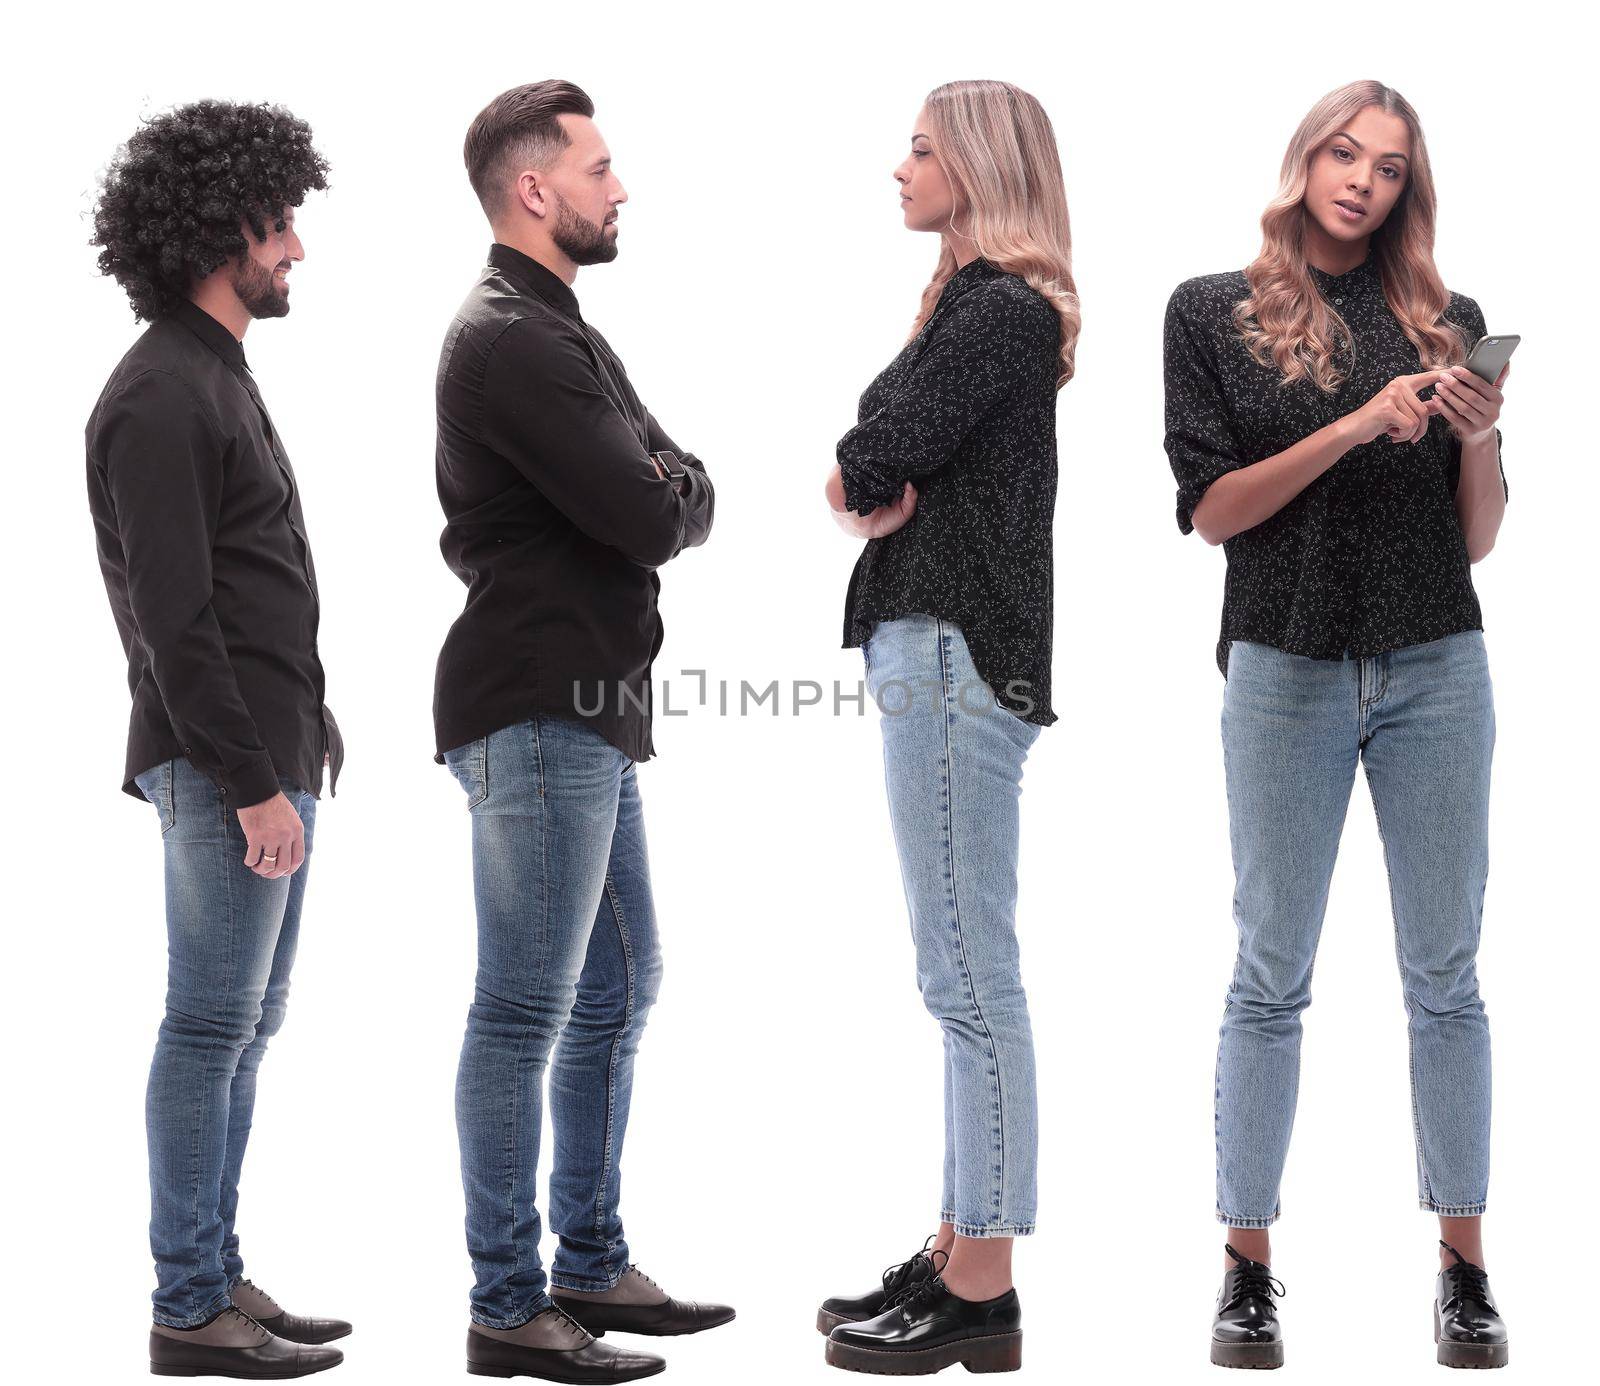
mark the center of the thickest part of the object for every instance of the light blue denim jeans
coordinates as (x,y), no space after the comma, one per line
(568,962)
(952,760)
(231,938)
(1421,721)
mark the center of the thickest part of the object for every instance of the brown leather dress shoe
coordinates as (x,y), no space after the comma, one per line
(267,1312)
(234,1344)
(551,1347)
(636,1304)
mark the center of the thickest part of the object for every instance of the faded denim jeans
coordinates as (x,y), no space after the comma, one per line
(1421,721)
(231,938)
(952,761)
(568,968)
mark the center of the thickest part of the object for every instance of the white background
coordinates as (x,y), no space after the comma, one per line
(785,1138)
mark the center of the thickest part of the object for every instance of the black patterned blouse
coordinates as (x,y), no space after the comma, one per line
(1370,556)
(967,413)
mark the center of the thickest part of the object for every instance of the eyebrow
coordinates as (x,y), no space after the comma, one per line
(1346,135)
(920,136)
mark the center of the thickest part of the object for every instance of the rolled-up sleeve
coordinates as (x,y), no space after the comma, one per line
(163,466)
(1202,439)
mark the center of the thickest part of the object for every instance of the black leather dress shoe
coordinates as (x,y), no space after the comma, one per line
(294,1328)
(551,1347)
(931,1329)
(233,1344)
(1466,1325)
(623,1311)
(897,1280)
(1246,1332)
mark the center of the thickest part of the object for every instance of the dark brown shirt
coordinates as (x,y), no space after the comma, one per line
(556,518)
(203,548)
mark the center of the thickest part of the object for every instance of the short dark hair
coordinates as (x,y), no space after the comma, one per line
(173,198)
(519,126)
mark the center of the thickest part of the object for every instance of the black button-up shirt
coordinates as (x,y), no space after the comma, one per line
(203,548)
(556,518)
(967,411)
(1370,556)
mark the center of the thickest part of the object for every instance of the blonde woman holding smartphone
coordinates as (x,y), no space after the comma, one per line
(1323,427)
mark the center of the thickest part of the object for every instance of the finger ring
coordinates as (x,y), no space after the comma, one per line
(273,858)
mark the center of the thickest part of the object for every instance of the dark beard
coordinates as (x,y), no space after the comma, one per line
(580,240)
(261,297)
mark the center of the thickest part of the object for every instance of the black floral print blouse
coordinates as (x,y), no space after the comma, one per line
(967,413)
(1370,556)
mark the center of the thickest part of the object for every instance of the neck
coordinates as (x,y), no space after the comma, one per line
(1333,256)
(964,250)
(538,248)
(214,296)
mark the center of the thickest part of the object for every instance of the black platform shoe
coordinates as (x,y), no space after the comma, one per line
(930,1329)
(1246,1332)
(1466,1325)
(897,1281)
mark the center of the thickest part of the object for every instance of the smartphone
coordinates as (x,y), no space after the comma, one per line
(1488,358)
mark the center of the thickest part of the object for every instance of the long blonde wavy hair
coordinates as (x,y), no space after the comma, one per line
(997,148)
(1285,322)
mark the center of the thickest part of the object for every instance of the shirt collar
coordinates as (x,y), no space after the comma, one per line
(973,273)
(211,332)
(1364,278)
(531,277)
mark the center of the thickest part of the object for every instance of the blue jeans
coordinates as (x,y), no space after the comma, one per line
(567,951)
(231,937)
(1421,720)
(952,762)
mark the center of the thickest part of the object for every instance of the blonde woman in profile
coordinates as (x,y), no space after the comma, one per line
(950,476)
(1323,427)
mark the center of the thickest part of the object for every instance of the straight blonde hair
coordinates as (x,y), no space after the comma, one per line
(1285,321)
(997,148)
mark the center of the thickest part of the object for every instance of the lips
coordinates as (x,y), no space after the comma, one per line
(1355,209)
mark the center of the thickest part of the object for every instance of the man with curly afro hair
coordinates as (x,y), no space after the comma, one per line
(203,547)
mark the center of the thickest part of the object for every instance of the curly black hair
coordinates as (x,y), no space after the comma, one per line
(173,197)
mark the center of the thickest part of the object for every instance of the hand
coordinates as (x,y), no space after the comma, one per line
(1469,404)
(883,520)
(1396,411)
(276,837)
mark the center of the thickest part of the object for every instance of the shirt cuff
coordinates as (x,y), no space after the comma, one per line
(252,783)
(855,497)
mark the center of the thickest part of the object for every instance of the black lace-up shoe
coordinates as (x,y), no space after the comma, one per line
(930,1329)
(1246,1332)
(897,1281)
(1466,1325)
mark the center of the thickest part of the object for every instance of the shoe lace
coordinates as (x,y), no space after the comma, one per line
(251,1285)
(924,1290)
(635,1269)
(901,1280)
(567,1321)
(1466,1280)
(251,1322)
(1252,1280)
